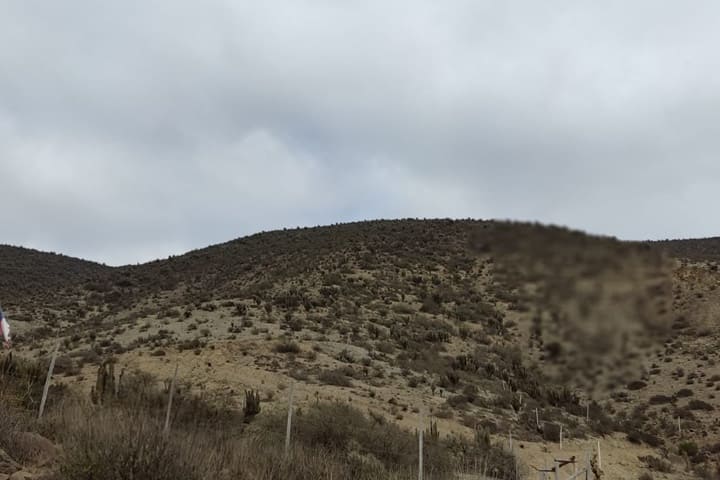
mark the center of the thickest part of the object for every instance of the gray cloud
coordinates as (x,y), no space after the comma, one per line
(134,130)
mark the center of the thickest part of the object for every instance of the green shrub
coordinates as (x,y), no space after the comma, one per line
(688,448)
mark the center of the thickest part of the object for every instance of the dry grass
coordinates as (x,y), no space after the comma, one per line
(123,439)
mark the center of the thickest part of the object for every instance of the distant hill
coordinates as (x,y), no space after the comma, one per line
(31,277)
(701,249)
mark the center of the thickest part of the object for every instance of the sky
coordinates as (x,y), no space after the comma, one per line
(135,130)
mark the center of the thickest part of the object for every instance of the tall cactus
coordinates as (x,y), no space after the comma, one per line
(252,403)
(105,387)
(433,434)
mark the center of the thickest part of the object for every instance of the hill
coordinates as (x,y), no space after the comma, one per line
(702,249)
(32,278)
(487,326)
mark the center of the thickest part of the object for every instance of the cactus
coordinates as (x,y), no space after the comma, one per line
(433,433)
(118,386)
(252,403)
(105,386)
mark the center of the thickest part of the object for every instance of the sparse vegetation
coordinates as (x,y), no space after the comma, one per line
(401,309)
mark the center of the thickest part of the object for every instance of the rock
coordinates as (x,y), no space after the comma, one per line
(36,449)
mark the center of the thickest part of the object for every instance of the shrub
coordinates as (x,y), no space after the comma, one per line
(688,448)
(660,400)
(551,432)
(656,464)
(696,404)
(638,436)
(336,377)
(287,346)
(346,432)
(684,392)
(115,446)
(457,401)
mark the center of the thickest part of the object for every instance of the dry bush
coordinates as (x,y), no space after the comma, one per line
(338,377)
(329,441)
(113,444)
(22,381)
(287,346)
(656,464)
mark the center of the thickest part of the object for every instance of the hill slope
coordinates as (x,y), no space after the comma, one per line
(702,249)
(478,323)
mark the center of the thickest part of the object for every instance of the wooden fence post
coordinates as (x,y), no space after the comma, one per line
(170,400)
(289,420)
(48,379)
(420,446)
(561,436)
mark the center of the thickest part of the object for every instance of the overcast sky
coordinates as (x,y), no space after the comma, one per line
(131,130)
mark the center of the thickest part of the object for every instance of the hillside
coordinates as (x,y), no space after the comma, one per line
(702,249)
(479,324)
(33,281)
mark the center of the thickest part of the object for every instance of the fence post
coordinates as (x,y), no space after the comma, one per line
(48,379)
(420,446)
(289,421)
(557,470)
(537,418)
(599,456)
(561,436)
(170,400)
(587,466)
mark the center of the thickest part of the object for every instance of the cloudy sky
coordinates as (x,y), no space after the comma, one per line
(137,129)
